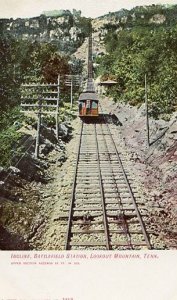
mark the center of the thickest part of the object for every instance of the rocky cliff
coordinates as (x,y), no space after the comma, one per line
(66,30)
(69,30)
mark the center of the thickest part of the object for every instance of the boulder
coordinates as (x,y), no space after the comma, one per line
(14,170)
(29,168)
(46,148)
(5,192)
(17,125)
(115,120)
(62,158)
(49,134)
(64,131)
(3,173)
(173,128)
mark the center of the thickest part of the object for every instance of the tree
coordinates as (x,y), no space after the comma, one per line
(54,66)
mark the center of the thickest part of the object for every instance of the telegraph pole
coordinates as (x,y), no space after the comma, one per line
(57,108)
(41,99)
(72,81)
(147,115)
(38,128)
(71,92)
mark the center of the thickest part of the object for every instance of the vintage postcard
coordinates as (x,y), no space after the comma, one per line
(88,144)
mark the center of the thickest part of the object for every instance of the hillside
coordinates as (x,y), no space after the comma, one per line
(138,42)
(66,30)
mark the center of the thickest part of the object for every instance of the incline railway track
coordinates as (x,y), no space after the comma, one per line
(104,212)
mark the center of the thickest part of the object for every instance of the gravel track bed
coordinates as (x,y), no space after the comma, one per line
(88,238)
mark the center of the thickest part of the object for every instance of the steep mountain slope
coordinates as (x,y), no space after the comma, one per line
(68,30)
(138,42)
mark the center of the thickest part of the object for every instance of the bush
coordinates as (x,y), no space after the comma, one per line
(8,146)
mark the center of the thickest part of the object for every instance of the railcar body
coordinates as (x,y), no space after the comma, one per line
(88,101)
(88,105)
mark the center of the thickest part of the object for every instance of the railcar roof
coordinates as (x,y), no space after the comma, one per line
(88,96)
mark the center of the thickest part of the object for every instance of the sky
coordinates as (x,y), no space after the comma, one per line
(90,8)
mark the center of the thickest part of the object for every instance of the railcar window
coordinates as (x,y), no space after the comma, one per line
(94,104)
(81,105)
(88,104)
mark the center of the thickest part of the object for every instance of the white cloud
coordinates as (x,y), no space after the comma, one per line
(89,8)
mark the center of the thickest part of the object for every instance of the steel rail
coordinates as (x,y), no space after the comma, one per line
(124,227)
(105,222)
(130,190)
(68,233)
(68,244)
(132,197)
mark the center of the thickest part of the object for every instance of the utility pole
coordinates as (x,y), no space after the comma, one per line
(41,99)
(71,92)
(147,115)
(38,127)
(72,81)
(57,108)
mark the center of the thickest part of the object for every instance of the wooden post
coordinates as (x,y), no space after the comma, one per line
(14,72)
(71,92)
(40,94)
(57,109)
(38,128)
(147,115)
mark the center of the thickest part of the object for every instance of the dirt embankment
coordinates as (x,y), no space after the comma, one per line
(22,209)
(156,166)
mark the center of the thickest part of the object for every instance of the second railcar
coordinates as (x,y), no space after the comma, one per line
(88,105)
